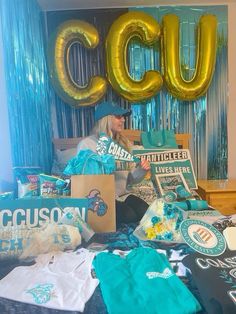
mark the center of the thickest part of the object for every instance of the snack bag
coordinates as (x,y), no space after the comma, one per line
(27,179)
(51,186)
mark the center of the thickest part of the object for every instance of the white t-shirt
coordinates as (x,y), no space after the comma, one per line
(60,281)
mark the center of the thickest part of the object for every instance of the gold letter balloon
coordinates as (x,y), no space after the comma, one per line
(67,34)
(127,26)
(205,57)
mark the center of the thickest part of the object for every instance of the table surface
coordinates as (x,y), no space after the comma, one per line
(217,185)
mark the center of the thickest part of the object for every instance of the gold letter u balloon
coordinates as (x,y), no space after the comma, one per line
(127,26)
(205,57)
(66,35)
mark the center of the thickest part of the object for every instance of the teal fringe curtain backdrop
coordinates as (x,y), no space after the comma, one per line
(27,83)
(206,118)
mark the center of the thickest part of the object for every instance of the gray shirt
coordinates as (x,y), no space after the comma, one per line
(124,178)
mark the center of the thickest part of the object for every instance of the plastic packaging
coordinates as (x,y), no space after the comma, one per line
(51,186)
(27,179)
(7,196)
(161,222)
(72,217)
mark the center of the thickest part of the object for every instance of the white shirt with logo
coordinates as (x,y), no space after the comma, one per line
(60,281)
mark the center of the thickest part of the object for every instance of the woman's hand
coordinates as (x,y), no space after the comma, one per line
(144,164)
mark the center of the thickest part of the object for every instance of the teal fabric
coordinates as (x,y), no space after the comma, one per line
(88,162)
(28,91)
(159,139)
(142,282)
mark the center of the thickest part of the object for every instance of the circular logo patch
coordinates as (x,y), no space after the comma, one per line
(202,237)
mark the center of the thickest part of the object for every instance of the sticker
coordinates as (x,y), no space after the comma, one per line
(202,237)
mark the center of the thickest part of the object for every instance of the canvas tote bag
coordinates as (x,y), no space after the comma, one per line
(100,191)
(162,139)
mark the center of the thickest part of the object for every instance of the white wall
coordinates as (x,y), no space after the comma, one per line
(232,92)
(5,153)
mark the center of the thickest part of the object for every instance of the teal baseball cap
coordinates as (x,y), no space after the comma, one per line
(105,109)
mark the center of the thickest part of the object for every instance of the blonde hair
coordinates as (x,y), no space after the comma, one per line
(104,126)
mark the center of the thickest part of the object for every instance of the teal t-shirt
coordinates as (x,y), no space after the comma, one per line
(142,282)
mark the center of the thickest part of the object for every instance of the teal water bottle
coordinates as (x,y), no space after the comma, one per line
(192,205)
(182,192)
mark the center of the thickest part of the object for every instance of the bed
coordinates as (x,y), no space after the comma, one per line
(182,140)
(66,148)
(123,239)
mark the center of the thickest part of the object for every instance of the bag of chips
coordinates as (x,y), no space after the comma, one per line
(27,179)
(51,186)
(72,217)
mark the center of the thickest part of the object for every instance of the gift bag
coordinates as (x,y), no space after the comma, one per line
(162,139)
(100,191)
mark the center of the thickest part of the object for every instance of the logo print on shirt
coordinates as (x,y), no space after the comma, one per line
(202,235)
(42,293)
(232,295)
(165,274)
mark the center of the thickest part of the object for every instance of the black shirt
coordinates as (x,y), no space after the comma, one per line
(215,277)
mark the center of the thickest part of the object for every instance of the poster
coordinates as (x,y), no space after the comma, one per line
(169,162)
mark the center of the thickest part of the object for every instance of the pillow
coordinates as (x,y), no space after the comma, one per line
(63,156)
(37,240)
(136,147)
(61,159)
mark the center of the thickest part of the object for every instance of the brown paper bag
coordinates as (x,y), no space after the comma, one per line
(100,190)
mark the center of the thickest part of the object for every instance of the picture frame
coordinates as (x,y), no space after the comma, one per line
(172,186)
(170,161)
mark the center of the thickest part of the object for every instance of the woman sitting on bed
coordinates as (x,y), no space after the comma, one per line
(109,119)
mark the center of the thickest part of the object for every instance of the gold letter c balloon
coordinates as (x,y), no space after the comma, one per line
(66,35)
(205,57)
(127,26)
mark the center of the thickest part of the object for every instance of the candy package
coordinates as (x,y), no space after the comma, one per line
(27,179)
(51,186)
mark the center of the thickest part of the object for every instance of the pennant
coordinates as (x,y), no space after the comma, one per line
(106,145)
